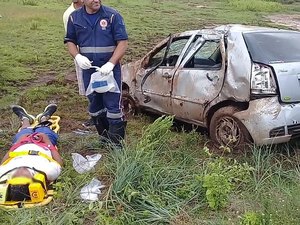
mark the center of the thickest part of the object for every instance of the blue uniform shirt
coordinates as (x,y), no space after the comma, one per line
(97,40)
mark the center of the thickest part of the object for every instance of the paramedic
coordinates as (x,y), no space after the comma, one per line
(99,32)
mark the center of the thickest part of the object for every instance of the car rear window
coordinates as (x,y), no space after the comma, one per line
(273,47)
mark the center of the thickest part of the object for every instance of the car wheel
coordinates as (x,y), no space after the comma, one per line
(129,106)
(226,130)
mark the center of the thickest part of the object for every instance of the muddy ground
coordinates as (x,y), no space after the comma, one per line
(290,21)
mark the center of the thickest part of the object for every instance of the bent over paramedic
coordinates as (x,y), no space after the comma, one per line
(100,34)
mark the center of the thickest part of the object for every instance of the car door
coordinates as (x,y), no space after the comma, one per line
(199,78)
(156,82)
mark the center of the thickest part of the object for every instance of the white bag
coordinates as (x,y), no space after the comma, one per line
(102,83)
(82,164)
(91,191)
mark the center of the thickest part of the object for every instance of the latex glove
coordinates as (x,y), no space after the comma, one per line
(106,68)
(83,62)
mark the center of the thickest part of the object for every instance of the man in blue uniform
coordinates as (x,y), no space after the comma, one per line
(99,32)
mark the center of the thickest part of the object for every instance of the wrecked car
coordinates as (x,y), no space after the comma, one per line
(242,83)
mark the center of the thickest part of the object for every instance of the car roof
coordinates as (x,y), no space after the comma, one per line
(236,28)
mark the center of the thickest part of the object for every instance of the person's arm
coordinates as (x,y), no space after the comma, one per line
(119,51)
(82,61)
(71,41)
(72,48)
(56,156)
(6,156)
(71,38)
(120,37)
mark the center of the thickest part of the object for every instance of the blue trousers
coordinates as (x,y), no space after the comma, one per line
(53,137)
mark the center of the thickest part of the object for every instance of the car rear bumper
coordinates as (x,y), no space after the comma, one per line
(270,122)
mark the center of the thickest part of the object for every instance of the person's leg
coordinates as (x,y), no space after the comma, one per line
(22,133)
(112,102)
(48,135)
(26,121)
(96,107)
(23,115)
(97,112)
(117,125)
(48,112)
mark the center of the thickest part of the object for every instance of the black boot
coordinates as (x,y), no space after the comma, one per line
(101,124)
(116,132)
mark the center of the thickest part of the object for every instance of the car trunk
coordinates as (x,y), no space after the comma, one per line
(280,50)
(288,77)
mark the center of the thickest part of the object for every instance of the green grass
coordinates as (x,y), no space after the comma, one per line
(163,177)
(256,5)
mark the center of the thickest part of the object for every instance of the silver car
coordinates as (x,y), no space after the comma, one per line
(242,83)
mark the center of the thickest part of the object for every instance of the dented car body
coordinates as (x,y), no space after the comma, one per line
(240,82)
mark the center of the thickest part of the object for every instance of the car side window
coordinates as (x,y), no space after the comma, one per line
(173,54)
(208,56)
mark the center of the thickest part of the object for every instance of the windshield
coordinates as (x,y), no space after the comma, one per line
(273,47)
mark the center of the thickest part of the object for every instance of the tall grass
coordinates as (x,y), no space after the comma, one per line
(161,179)
(273,188)
(147,188)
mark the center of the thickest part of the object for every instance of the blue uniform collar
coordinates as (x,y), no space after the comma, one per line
(100,14)
(101,11)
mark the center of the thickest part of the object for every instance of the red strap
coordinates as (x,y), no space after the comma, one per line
(33,139)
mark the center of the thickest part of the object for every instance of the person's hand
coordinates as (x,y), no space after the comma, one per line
(83,62)
(106,68)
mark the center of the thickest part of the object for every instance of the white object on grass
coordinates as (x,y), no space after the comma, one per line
(82,164)
(91,191)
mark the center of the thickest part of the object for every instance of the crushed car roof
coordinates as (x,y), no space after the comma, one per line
(232,28)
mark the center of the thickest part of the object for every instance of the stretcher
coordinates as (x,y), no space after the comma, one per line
(39,191)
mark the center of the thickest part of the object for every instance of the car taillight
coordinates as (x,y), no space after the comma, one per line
(262,80)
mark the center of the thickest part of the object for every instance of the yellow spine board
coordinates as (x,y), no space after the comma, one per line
(39,196)
(54,126)
(28,204)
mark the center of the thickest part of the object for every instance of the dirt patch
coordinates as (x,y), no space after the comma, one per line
(70,76)
(50,78)
(45,78)
(291,21)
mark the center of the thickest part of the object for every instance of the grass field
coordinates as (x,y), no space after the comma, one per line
(163,176)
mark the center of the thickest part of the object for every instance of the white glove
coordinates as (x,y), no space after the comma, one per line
(83,62)
(106,68)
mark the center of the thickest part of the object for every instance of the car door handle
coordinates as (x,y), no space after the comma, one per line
(167,75)
(208,77)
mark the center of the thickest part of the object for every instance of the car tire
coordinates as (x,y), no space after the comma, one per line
(225,130)
(129,106)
